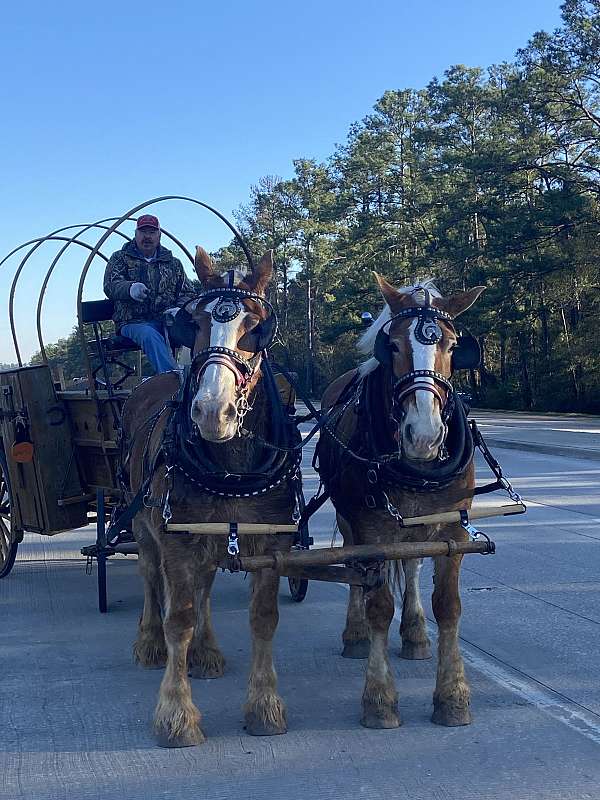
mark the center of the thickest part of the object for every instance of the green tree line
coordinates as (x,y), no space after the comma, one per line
(485,176)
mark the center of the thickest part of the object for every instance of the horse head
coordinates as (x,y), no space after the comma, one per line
(416,338)
(235,325)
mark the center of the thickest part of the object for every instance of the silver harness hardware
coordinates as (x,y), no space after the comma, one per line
(233,546)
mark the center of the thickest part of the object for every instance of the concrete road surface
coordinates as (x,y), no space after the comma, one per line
(562,434)
(75,714)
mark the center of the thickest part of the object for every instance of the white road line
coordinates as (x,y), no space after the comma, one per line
(550,702)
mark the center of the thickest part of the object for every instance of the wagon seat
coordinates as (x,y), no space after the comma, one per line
(108,349)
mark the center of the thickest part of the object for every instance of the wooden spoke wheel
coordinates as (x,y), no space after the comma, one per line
(298,588)
(9,540)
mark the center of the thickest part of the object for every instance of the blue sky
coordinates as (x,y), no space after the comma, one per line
(110,104)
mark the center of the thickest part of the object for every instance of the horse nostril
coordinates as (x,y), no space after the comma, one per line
(408,433)
(229,413)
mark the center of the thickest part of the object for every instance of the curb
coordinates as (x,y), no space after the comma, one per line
(547,449)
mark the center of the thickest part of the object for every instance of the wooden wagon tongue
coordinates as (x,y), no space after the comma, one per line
(310,563)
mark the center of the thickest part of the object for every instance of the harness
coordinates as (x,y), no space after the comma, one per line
(376,451)
(182,450)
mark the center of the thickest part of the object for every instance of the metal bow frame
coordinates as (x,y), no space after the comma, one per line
(109,226)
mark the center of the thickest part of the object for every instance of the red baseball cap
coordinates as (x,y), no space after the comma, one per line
(148,221)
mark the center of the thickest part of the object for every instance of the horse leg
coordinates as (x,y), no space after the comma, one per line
(380,699)
(205,660)
(177,720)
(264,710)
(415,642)
(149,649)
(355,637)
(451,696)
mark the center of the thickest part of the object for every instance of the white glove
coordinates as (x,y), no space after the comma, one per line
(138,292)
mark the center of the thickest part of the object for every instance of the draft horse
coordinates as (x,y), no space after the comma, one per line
(398,444)
(190,454)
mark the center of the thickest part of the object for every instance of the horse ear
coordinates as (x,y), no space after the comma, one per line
(203,264)
(457,303)
(391,295)
(261,275)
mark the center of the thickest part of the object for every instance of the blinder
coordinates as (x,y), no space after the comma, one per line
(230,304)
(383,348)
(265,332)
(467,353)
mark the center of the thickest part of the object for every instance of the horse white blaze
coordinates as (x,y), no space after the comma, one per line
(213,407)
(422,427)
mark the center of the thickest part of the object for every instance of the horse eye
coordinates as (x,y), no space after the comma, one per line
(251,321)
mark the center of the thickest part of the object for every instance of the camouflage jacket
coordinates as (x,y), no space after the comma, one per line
(165,278)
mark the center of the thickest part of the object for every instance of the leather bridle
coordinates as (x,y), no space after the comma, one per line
(228,307)
(427,332)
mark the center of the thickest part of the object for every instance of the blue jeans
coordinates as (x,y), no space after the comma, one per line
(150,338)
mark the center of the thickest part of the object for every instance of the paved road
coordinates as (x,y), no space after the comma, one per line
(75,713)
(553,434)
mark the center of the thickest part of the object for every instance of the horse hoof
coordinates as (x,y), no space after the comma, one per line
(150,656)
(258,727)
(381,717)
(190,738)
(357,649)
(206,672)
(415,652)
(450,715)
(208,667)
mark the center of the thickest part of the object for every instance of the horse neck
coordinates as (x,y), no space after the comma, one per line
(379,390)
(240,453)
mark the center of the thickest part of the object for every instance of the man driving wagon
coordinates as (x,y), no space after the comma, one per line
(148,287)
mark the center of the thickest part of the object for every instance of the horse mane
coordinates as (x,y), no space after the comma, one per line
(366,343)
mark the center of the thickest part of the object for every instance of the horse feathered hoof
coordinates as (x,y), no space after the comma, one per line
(414,651)
(357,649)
(450,715)
(380,717)
(150,653)
(189,738)
(256,726)
(207,665)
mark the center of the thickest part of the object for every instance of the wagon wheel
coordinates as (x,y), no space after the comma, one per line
(298,588)
(9,539)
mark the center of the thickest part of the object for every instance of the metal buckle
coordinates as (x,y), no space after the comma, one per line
(167,515)
(372,476)
(475,533)
(233,547)
(392,510)
(465,523)
(507,486)
(296,514)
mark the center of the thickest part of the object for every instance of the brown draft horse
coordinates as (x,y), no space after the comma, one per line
(224,388)
(411,454)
